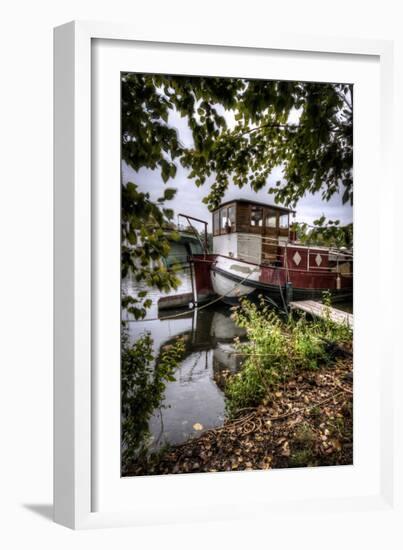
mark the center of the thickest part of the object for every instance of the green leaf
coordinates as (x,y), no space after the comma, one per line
(169,193)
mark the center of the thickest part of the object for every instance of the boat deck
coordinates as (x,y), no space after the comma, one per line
(320,310)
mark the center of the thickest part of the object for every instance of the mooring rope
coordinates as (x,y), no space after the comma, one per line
(212,301)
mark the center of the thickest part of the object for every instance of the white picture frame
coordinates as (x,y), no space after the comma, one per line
(77,390)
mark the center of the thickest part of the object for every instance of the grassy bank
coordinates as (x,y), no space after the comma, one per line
(277,348)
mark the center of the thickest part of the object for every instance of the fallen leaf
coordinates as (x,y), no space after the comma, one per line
(286,449)
(336,444)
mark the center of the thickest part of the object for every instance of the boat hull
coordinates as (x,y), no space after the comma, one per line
(234,279)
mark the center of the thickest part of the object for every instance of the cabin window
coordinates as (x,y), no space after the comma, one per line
(231,216)
(271,219)
(224,218)
(283,221)
(216,222)
(227,219)
(256,216)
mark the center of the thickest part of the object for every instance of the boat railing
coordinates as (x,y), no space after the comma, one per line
(336,256)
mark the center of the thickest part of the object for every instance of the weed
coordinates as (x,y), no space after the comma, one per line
(304,436)
(300,458)
(276,348)
(266,357)
(303,447)
(143,383)
(315,412)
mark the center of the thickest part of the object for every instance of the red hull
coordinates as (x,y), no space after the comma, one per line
(303,282)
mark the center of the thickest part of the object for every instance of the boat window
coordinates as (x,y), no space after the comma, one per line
(256,216)
(224,218)
(231,216)
(283,221)
(271,219)
(216,222)
(227,219)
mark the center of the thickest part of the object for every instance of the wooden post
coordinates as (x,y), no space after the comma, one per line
(338,280)
(288,293)
(193,282)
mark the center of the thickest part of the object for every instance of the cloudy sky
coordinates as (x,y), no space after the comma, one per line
(188,199)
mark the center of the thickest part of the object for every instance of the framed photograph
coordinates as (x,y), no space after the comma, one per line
(220,248)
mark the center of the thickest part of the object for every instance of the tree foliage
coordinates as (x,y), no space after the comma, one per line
(315,151)
(146,237)
(325,233)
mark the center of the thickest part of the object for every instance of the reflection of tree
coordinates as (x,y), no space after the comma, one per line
(192,373)
(142,388)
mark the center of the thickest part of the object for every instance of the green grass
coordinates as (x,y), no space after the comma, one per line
(276,348)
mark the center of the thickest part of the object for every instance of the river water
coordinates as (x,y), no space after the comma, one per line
(194,398)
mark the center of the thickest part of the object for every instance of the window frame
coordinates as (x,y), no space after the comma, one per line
(271,213)
(252,208)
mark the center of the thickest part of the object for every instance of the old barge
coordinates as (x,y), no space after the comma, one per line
(255,252)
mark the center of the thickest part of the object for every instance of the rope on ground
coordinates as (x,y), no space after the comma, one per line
(247,424)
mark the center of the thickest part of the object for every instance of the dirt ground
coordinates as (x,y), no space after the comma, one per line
(308,421)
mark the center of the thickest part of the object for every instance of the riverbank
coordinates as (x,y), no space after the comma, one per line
(307,421)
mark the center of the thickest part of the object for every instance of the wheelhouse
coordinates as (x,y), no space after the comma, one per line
(256,218)
(251,230)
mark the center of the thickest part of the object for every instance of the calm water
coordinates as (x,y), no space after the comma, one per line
(194,397)
(131,287)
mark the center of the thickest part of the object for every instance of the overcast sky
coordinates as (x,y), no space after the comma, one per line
(188,199)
